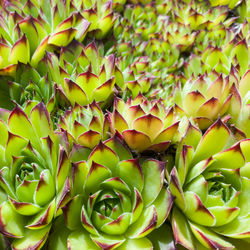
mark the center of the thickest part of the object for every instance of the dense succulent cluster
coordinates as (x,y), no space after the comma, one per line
(124,124)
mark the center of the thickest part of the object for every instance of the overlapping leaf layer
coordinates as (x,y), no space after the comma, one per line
(124,124)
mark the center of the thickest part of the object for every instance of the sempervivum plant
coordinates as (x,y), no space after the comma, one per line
(33,173)
(83,74)
(112,208)
(100,15)
(221,59)
(207,97)
(144,124)
(29,28)
(87,125)
(210,184)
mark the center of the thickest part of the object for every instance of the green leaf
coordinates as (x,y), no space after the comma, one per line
(107,241)
(104,156)
(219,132)
(20,51)
(12,223)
(163,204)
(39,118)
(161,238)
(118,226)
(62,38)
(72,212)
(124,170)
(145,224)
(118,147)
(97,174)
(42,219)
(142,243)
(45,190)
(25,208)
(181,229)
(208,238)
(154,173)
(32,239)
(81,239)
(196,211)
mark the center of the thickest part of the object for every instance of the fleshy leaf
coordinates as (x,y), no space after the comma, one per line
(81,239)
(207,147)
(154,172)
(125,168)
(208,238)
(33,239)
(144,225)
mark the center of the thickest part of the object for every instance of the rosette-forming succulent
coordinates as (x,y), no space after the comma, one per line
(143,124)
(86,125)
(210,183)
(207,97)
(221,59)
(100,15)
(83,74)
(109,209)
(29,28)
(34,170)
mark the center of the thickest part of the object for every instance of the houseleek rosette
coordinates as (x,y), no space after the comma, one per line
(207,97)
(33,173)
(112,208)
(210,182)
(82,74)
(29,29)
(143,124)
(88,125)
(101,17)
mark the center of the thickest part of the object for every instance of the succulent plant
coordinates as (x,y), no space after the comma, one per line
(208,97)
(143,124)
(84,79)
(86,125)
(34,171)
(111,208)
(210,186)
(101,17)
(28,28)
(124,124)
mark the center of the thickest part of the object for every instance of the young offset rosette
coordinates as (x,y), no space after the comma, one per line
(82,74)
(88,125)
(34,169)
(210,182)
(117,201)
(143,124)
(29,28)
(207,97)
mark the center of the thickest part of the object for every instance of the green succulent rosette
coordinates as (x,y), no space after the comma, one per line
(141,38)
(29,28)
(110,208)
(144,125)
(235,52)
(210,184)
(207,97)
(100,16)
(83,74)
(34,170)
(87,125)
